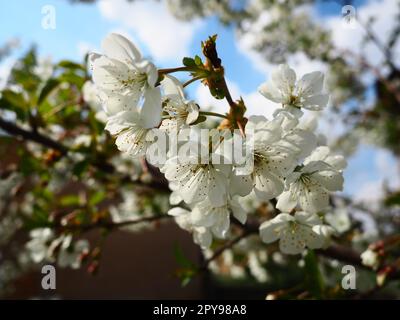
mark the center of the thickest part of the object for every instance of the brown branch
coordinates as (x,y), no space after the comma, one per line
(34,136)
(384,49)
(343,254)
(227,245)
(109,225)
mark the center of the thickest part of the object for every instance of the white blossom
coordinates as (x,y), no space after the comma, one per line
(274,156)
(127,79)
(93,97)
(45,246)
(71,253)
(133,135)
(198,179)
(179,111)
(310,184)
(201,235)
(339,220)
(370,258)
(305,93)
(217,218)
(295,233)
(38,245)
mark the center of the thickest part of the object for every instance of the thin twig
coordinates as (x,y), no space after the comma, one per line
(35,136)
(109,225)
(227,245)
(194,79)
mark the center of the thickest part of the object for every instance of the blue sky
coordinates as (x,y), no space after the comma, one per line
(80,27)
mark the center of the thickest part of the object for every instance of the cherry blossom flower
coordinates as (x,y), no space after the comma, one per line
(370,258)
(198,179)
(295,233)
(217,218)
(305,93)
(310,184)
(133,135)
(127,79)
(180,112)
(201,235)
(274,157)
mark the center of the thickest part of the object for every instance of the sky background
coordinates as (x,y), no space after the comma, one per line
(81,27)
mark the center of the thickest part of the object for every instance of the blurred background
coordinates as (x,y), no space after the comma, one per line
(355,43)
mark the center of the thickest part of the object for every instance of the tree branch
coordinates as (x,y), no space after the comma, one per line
(109,225)
(34,136)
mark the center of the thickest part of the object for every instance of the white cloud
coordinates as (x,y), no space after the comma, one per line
(371,190)
(386,166)
(246,41)
(165,37)
(385,17)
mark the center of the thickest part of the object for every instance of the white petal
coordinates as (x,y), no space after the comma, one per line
(271,92)
(202,237)
(175,198)
(177,211)
(108,74)
(119,102)
(267,185)
(172,86)
(314,199)
(218,186)
(193,113)
(151,111)
(286,201)
(291,242)
(221,228)
(195,189)
(311,239)
(301,142)
(240,185)
(310,219)
(316,102)
(311,83)
(284,79)
(329,179)
(238,211)
(271,230)
(118,47)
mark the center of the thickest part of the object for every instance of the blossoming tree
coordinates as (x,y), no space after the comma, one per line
(257,194)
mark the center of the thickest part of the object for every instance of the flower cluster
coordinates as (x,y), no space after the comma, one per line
(286,161)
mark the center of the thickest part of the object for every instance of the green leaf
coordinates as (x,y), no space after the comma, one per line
(50,85)
(38,219)
(80,168)
(70,65)
(70,200)
(217,93)
(393,199)
(72,78)
(200,119)
(15,98)
(14,101)
(188,62)
(314,279)
(197,60)
(96,198)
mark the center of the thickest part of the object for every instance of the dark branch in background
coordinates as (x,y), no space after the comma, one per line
(384,49)
(227,245)
(109,225)
(34,136)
